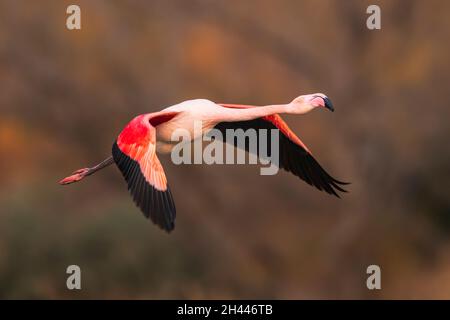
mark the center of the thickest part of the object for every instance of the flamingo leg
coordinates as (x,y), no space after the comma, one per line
(84,172)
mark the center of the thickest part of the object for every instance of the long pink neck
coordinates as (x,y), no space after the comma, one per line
(245,113)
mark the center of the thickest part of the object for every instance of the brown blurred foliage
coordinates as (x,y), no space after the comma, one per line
(65,95)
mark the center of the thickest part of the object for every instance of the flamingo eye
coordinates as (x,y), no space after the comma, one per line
(317,101)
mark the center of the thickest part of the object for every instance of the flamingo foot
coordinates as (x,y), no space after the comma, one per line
(76,176)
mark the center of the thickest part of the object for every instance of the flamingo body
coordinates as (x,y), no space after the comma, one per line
(135,149)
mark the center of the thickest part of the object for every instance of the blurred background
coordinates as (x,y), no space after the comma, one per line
(65,95)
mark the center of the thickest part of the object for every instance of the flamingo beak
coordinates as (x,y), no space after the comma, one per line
(328,104)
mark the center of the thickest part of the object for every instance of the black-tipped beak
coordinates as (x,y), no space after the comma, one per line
(328,104)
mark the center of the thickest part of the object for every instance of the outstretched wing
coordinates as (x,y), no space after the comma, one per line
(134,152)
(294,156)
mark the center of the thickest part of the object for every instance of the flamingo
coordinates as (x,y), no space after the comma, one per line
(135,149)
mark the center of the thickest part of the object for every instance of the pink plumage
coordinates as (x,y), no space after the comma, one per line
(135,149)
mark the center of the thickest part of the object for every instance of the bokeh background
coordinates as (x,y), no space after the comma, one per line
(65,95)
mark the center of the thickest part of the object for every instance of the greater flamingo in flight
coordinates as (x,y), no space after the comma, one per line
(135,149)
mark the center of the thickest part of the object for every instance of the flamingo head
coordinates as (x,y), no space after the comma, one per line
(306,103)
